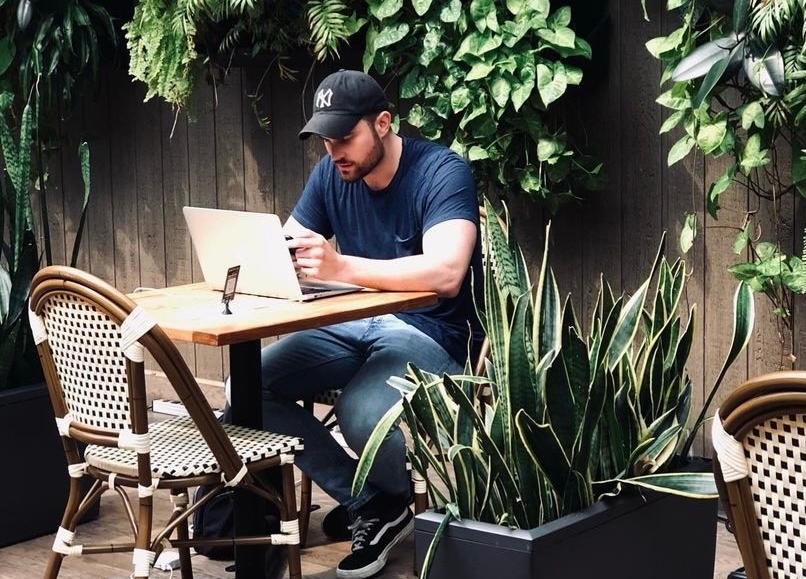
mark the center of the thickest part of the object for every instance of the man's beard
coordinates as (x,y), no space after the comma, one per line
(373,158)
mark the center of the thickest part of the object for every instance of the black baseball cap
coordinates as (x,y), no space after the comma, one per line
(340,101)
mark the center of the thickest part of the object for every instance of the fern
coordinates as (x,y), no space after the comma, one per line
(164,35)
(769,18)
(328,23)
(161,48)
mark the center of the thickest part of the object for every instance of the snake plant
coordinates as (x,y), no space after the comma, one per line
(19,257)
(571,417)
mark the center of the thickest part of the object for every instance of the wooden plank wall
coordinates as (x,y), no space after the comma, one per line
(147,164)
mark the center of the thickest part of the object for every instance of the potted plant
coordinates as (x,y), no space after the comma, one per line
(26,416)
(584,444)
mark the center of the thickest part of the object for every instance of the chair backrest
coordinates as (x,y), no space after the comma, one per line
(92,340)
(759,438)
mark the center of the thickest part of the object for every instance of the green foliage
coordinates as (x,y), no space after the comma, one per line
(572,418)
(162,52)
(50,57)
(736,72)
(771,272)
(49,51)
(170,41)
(19,257)
(330,26)
(483,76)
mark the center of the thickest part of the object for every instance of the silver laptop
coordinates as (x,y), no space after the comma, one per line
(254,241)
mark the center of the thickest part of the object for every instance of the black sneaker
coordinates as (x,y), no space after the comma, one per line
(336,524)
(374,535)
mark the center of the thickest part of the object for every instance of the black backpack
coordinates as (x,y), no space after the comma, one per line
(215,520)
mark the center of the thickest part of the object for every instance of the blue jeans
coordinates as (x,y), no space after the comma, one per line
(358,357)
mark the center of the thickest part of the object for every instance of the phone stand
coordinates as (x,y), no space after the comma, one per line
(229,288)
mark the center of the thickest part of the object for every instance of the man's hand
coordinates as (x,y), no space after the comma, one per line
(314,256)
(447,250)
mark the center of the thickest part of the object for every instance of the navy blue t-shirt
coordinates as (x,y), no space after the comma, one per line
(432,184)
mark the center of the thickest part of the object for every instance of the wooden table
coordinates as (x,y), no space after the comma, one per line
(194,313)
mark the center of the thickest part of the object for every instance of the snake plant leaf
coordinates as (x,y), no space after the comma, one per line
(5,294)
(617,430)
(522,388)
(463,460)
(744,315)
(21,279)
(427,456)
(451,514)
(696,485)
(568,381)
(628,319)
(498,464)
(84,160)
(551,458)
(548,313)
(586,436)
(765,70)
(626,327)
(378,436)
(704,58)
(14,290)
(661,447)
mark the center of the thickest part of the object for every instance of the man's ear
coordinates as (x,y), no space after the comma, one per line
(383,123)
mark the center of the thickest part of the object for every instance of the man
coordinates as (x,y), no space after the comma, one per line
(405,215)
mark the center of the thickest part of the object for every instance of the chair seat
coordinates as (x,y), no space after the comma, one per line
(179,450)
(328,397)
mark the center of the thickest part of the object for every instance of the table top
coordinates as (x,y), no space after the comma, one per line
(194,312)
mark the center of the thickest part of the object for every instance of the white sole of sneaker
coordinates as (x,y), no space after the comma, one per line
(380,562)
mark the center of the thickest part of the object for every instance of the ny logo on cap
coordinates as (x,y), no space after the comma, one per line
(323,98)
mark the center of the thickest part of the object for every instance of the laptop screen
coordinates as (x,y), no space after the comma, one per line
(225,238)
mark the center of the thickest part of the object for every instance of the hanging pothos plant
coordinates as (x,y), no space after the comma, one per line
(737,76)
(483,76)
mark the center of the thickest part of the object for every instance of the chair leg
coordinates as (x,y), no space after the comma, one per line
(143,537)
(420,491)
(179,498)
(69,522)
(289,512)
(53,566)
(305,499)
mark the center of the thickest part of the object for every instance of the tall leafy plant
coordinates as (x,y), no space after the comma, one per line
(735,74)
(572,417)
(50,50)
(19,260)
(19,257)
(484,76)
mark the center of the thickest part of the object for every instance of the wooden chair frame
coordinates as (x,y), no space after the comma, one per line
(759,438)
(91,340)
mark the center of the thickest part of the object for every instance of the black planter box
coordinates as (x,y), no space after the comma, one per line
(35,484)
(632,537)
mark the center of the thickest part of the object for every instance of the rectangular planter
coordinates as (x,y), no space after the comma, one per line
(34,485)
(629,537)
